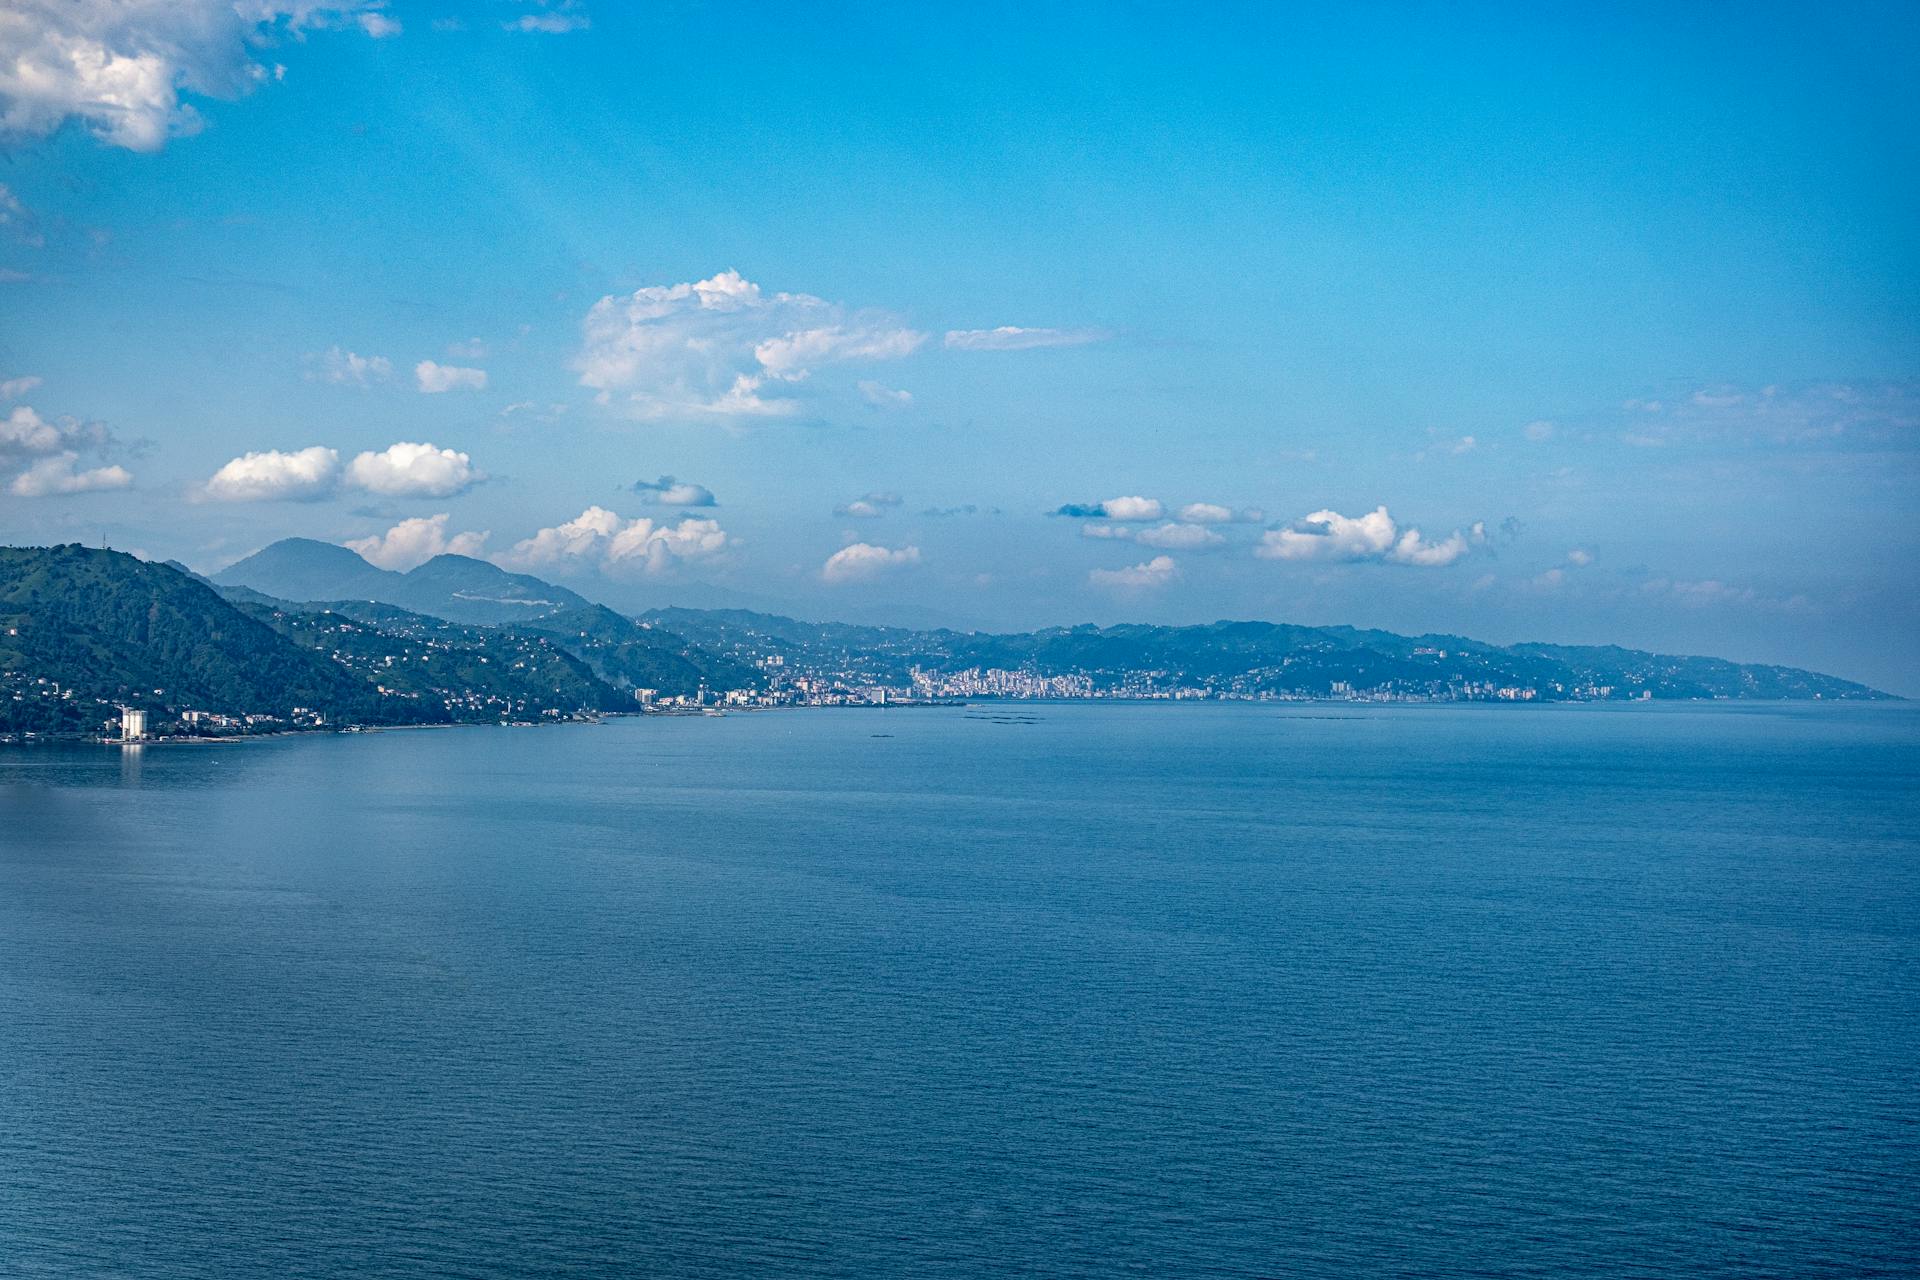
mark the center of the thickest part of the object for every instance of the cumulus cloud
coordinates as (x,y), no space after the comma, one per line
(119,67)
(1580,556)
(408,470)
(668,492)
(437,378)
(862,562)
(868,506)
(599,538)
(415,541)
(1412,548)
(403,470)
(1157,572)
(1013,338)
(1215,513)
(14,388)
(350,368)
(723,347)
(51,453)
(272,475)
(61,474)
(1132,509)
(25,433)
(1330,536)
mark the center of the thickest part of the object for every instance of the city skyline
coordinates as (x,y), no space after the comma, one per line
(1585,329)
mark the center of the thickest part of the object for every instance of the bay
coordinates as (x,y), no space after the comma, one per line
(1057,989)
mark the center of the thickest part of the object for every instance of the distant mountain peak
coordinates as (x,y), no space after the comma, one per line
(453,587)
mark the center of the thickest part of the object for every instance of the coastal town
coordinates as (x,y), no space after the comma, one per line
(68,711)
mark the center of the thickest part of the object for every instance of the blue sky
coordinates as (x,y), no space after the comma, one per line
(1617,309)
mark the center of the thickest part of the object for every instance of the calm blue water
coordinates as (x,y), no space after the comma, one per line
(1171,990)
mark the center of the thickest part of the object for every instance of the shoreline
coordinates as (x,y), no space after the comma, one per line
(1315,704)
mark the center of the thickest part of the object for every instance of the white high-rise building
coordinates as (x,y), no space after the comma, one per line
(133,725)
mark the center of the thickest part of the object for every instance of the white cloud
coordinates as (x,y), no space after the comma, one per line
(1179,537)
(1465,444)
(1133,509)
(555,18)
(600,538)
(722,347)
(60,475)
(1330,536)
(1413,549)
(120,66)
(1013,338)
(792,356)
(1214,513)
(471,349)
(56,448)
(881,396)
(1112,532)
(436,378)
(349,368)
(862,562)
(272,475)
(25,432)
(14,388)
(1580,556)
(402,470)
(1538,432)
(868,506)
(415,541)
(668,492)
(1157,572)
(408,470)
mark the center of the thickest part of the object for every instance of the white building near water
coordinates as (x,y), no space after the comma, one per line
(133,725)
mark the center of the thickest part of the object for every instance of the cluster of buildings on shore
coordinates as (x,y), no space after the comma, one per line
(40,706)
(44,706)
(788,685)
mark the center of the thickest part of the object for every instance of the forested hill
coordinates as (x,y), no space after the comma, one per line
(108,629)
(85,632)
(1240,659)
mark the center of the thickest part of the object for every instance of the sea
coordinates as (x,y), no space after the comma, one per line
(1021,989)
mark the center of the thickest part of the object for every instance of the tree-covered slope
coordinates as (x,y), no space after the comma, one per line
(629,655)
(108,626)
(1248,659)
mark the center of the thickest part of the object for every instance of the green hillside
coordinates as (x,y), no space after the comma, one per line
(112,629)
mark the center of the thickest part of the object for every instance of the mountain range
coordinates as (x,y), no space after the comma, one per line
(309,628)
(456,588)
